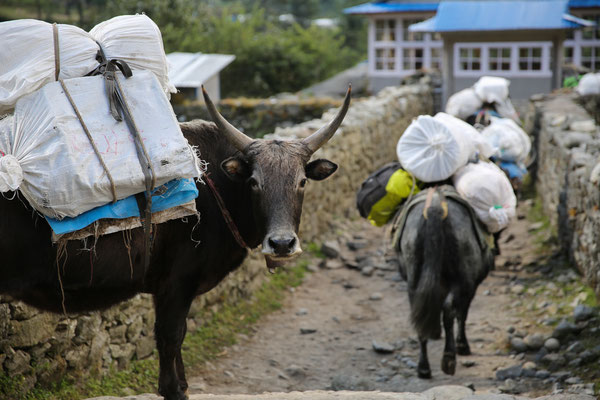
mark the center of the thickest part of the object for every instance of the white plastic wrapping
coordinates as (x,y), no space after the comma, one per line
(430,151)
(494,89)
(487,189)
(464,103)
(137,40)
(62,175)
(478,146)
(510,141)
(27,59)
(589,84)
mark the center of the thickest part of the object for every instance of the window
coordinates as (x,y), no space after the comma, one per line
(590,57)
(385,59)
(469,59)
(499,59)
(412,59)
(568,55)
(592,32)
(385,30)
(530,59)
(411,36)
(436,58)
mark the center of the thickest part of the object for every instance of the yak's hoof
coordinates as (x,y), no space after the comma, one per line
(463,349)
(179,395)
(449,364)
(424,373)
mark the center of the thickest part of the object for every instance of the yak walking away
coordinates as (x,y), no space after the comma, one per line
(443,258)
(262,185)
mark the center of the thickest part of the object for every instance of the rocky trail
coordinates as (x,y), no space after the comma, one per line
(346,328)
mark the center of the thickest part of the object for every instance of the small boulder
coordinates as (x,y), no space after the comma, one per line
(534,341)
(518,344)
(582,313)
(552,344)
(330,249)
(383,347)
(509,373)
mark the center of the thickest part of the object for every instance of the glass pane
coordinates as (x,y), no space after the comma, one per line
(435,53)
(476,53)
(418,65)
(586,51)
(476,66)
(523,65)
(536,66)
(506,53)
(437,36)
(505,66)
(379,65)
(378,53)
(391,65)
(523,53)
(537,52)
(587,64)
(464,66)
(419,53)
(379,24)
(464,53)
(391,53)
(493,66)
(494,53)
(406,65)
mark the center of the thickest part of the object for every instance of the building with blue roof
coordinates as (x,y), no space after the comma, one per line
(516,39)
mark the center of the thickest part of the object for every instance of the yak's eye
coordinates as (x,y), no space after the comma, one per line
(303,182)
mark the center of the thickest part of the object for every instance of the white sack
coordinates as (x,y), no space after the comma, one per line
(464,103)
(27,57)
(589,84)
(137,40)
(510,141)
(430,151)
(487,189)
(478,146)
(62,175)
(494,89)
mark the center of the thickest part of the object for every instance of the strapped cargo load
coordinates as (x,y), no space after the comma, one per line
(36,53)
(511,143)
(62,173)
(487,189)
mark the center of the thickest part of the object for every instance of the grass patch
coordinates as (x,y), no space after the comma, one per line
(219,330)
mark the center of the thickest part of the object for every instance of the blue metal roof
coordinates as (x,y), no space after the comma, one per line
(501,15)
(391,7)
(584,3)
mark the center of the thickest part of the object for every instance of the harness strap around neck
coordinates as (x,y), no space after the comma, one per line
(226,215)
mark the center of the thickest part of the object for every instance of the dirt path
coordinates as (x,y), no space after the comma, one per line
(323,337)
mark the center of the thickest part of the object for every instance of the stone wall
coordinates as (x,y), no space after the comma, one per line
(43,347)
(568,176)
(257,117)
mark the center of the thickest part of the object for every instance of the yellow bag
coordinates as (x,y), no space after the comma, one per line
(397,190)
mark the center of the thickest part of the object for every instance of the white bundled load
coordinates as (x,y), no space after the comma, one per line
(431,151)
(589,84)
(510,141)
(487,189)
(463,104)
(136,40)
(28,62)
(493,89)
(62,175)
(27,59)
(459,128)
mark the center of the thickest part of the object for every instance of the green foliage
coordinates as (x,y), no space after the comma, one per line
(218,331)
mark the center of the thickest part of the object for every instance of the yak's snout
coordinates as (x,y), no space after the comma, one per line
(281,245)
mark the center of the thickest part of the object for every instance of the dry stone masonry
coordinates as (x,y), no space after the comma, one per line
(37,346)
(568,176)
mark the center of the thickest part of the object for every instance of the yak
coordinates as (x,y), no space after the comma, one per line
(261,186)
(443,256)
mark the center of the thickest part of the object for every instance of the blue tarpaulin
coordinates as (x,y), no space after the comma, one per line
(171,194)
(503,15)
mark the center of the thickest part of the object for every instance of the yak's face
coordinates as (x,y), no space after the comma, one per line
(276,173)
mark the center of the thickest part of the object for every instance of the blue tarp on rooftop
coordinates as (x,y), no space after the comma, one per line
(502,15)
(584,3)
(391,7)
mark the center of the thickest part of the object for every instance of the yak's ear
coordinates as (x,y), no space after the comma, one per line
(320,169)
(236,169)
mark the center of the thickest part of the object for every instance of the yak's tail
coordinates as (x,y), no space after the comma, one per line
(428,294)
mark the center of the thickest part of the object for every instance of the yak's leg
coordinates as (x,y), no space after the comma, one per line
(423,370)
(462,344)
(179,367)
(169,330)
(449,357)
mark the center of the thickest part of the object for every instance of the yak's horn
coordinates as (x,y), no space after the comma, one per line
(237,138)
(320,137)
